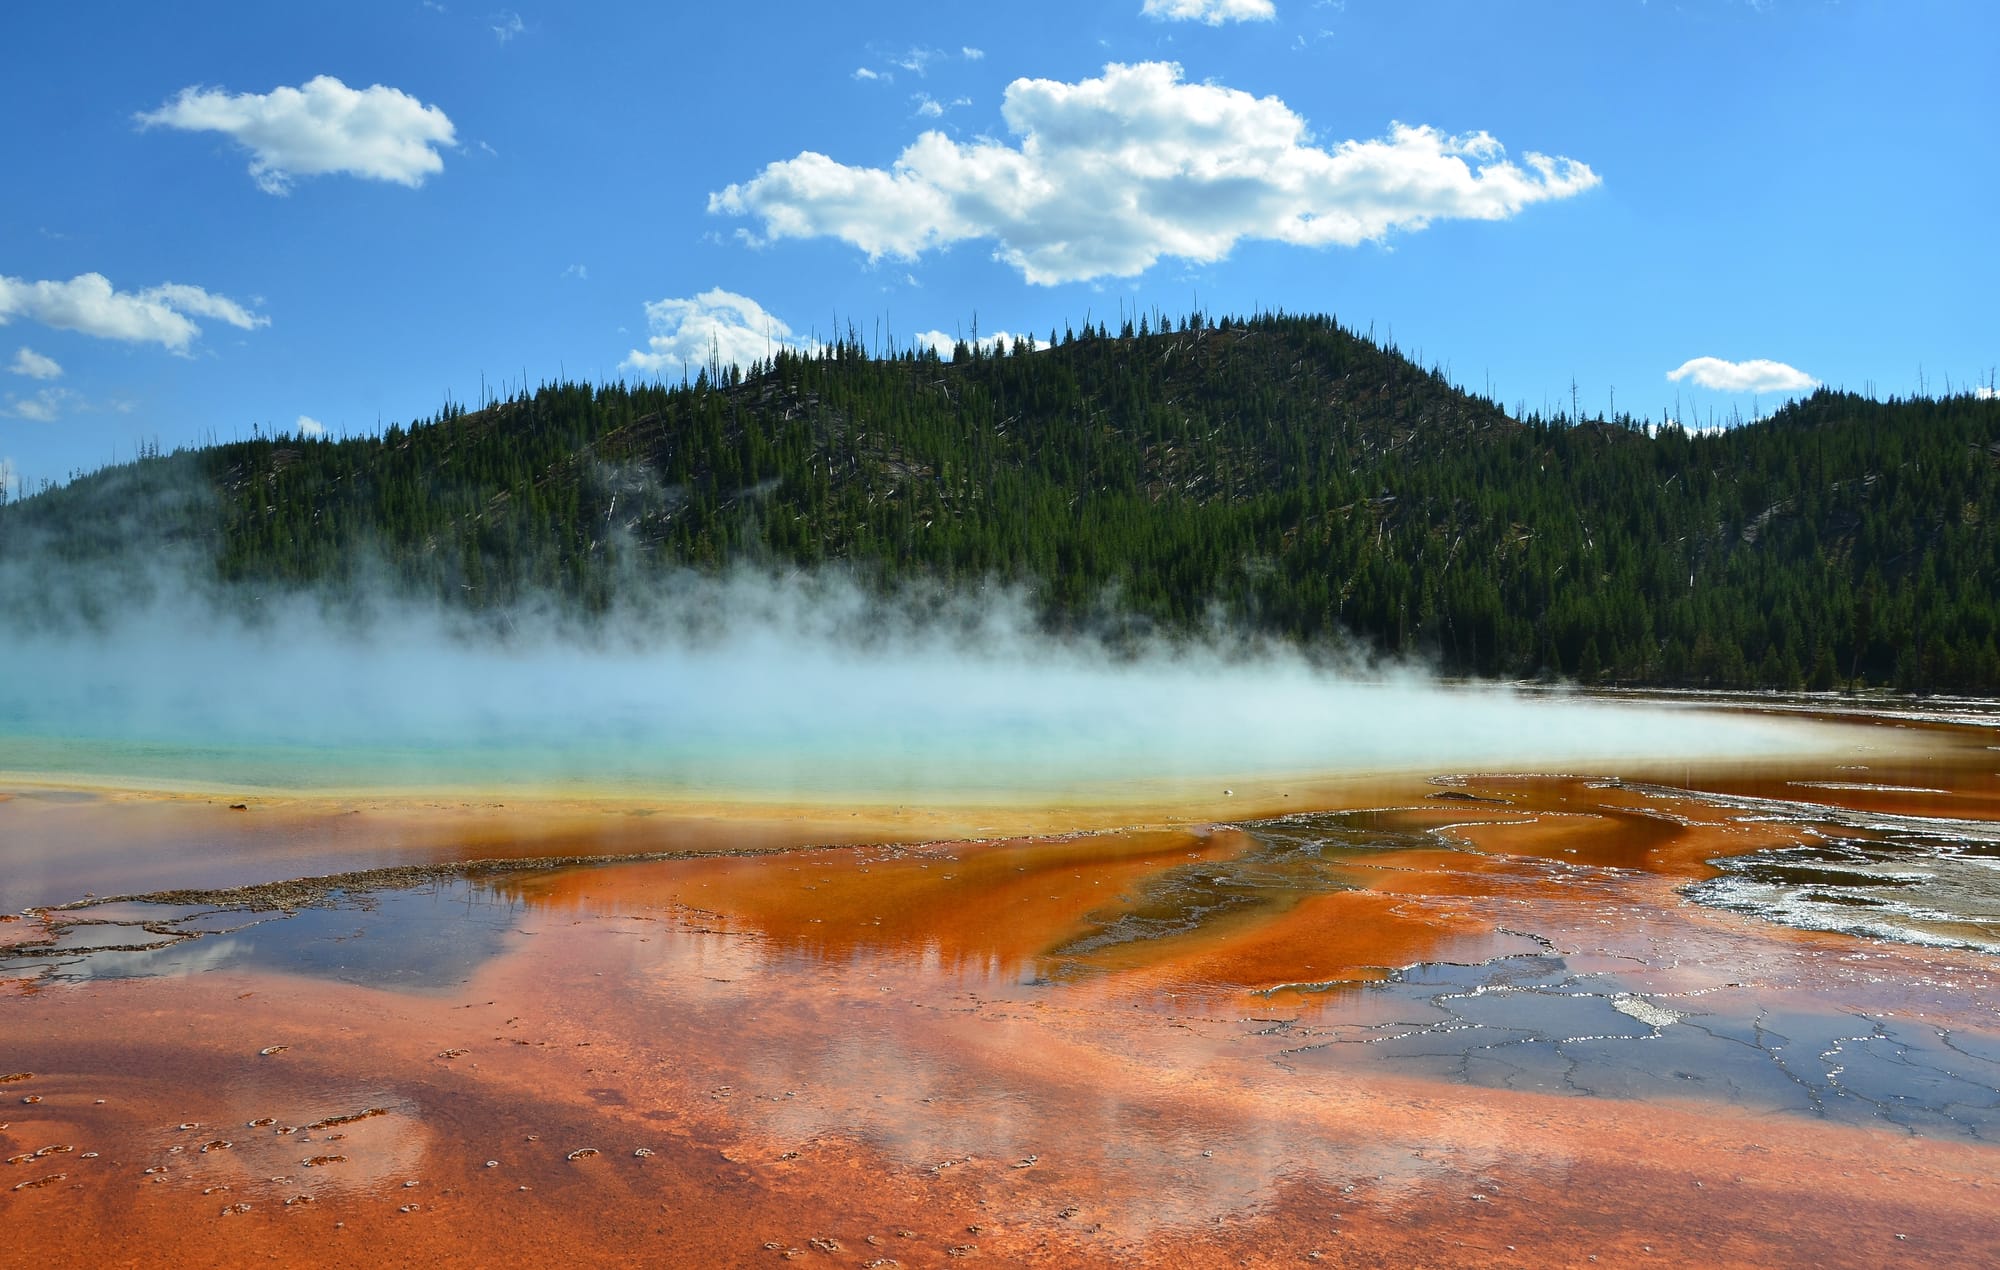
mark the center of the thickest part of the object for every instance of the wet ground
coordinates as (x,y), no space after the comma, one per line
(1726,1018)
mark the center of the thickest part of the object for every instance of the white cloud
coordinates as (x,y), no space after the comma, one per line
(716,327)
(1756,375)
(32,364)
(162,315)
(580,272)
(1213,12)
(506,25)
(943,344)
(44,407)
(11,483)
(927,106)
(1113,173)
(917,59)
(310,427)
(186,299)
(1986,392)
(322,126)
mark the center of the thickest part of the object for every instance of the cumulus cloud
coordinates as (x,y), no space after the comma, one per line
(507,24)
(1986,392)
(32,364)
(320,127)
(1213,12)
(310,427)
(1110,174)
(715,328)
(163,315)
(971,54)
(1756,375)
(863,73)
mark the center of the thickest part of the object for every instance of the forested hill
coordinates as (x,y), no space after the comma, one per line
(1280,472)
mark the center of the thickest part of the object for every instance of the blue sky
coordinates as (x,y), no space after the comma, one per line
(221,217)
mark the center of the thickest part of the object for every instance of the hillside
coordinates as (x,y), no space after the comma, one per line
(1279,472)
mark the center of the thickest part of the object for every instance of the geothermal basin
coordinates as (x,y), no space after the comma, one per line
(1730,1002)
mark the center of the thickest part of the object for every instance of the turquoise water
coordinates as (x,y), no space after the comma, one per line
(829,727)
(751,688)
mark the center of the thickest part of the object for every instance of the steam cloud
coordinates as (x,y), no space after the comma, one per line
(754,685)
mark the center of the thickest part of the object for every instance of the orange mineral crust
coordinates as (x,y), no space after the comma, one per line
(656,1090)
(64,843)
(1486,1020)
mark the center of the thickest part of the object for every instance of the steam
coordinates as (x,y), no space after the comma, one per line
(756,685)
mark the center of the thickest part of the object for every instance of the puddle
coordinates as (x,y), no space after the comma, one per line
(422,940)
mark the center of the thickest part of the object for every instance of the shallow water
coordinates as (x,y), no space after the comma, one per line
(1938,887)
(1484,1020)
(768,719)
(419,940)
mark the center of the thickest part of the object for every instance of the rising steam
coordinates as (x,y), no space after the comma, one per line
(759,686)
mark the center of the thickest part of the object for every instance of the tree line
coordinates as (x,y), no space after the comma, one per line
(1280,473)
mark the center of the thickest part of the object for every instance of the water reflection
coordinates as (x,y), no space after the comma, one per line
(1230,1040)
(421,940)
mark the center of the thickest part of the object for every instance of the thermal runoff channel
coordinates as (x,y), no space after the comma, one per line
(767,688)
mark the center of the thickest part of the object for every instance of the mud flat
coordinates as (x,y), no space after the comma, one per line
(1479,1019)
